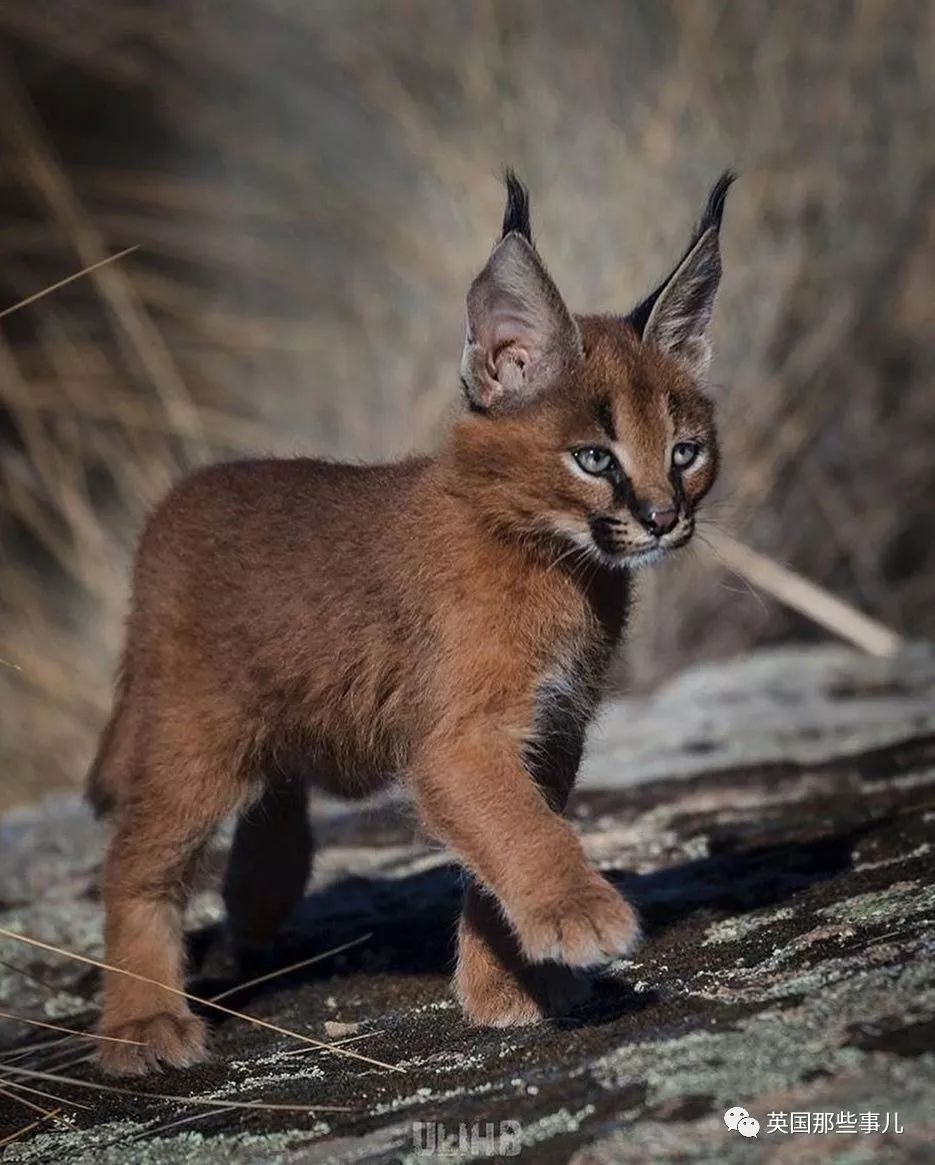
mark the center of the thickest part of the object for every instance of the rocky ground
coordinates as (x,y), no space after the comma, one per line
(775,821)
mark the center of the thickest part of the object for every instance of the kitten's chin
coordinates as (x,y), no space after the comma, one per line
(641,558)
(632,560)
(652,554)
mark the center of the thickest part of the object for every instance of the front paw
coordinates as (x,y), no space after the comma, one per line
(585,926)
(175,1040)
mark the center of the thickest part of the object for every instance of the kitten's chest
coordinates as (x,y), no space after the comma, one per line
(569,688)
(565,701)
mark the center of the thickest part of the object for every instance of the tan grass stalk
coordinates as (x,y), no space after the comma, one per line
(40,1092)
(55,1027)
(65,1065)
(158,1130)
(7,311)
(292,967)
(139,1093)
(29,142)
(15,1136)
(23,1101)
(337,1043)
(283,1031)
(30,1049)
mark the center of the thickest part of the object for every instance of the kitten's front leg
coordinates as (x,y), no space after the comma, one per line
(476,795)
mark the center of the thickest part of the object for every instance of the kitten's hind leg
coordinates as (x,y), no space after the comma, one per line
(494,984)
(269,864)
(160,832)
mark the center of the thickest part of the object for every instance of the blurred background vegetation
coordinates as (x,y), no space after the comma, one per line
(312,184)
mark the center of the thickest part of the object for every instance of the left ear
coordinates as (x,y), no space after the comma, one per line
(521,338)
(676,318)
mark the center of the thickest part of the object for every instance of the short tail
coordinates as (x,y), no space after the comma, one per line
(100,789)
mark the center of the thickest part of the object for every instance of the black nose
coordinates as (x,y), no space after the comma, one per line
(659,521)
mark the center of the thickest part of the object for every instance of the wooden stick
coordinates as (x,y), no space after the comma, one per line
(806,597)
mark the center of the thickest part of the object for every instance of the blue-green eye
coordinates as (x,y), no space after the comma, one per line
(594,460)
(685,453)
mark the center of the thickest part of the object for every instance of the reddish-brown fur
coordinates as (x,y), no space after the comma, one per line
(297,622)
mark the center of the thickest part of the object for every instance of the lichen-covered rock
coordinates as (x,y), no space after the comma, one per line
(779,837)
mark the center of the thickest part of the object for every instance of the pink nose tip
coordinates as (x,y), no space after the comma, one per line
(661,521)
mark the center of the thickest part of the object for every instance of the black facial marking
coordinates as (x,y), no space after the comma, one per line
(605,418)
(623,491)
(675,479)
(602,531)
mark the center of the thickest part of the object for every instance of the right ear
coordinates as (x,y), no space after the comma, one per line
(521,338)
(676,317)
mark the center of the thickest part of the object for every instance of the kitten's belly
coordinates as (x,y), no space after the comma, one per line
(349,773)
(350,782)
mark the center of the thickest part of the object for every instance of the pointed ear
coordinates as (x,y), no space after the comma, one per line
(676,318)
(521,338)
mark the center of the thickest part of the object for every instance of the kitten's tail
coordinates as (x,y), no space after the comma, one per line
(101,788)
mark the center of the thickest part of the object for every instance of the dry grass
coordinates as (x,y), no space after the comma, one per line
(55,1027)
(32,1127)
(197,1101)
(312,187)
(46,1066)
(211,1004)
(300,965)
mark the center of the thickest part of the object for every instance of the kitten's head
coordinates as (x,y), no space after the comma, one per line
(589,431)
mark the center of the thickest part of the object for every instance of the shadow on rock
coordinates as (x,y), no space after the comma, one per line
(735,881)
(411,922)
(412,919)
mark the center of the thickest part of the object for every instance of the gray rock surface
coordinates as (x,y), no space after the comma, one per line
(772,706)
(775,820)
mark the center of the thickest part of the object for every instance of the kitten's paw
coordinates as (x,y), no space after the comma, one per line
(178,1041)
(496,998)
(586,927)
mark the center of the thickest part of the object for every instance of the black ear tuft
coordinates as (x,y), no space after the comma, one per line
(516,214)
(713,213)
